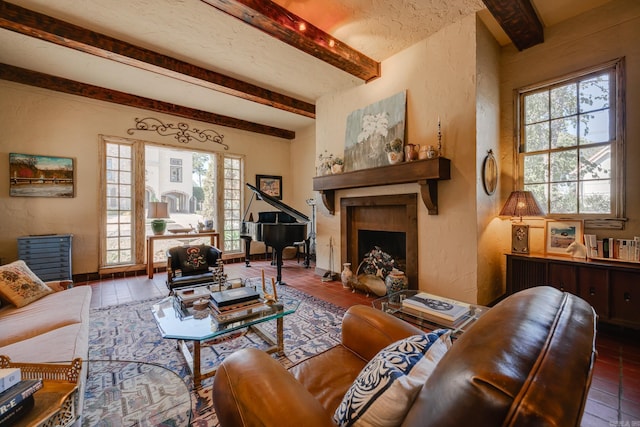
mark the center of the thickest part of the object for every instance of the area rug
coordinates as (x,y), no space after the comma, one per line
(128,332)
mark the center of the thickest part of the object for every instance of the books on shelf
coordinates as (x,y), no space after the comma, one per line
(11,399)
(234,296)
(9,377)
(613,249)
(439,308)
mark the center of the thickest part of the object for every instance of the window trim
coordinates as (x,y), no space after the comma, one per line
(618,146)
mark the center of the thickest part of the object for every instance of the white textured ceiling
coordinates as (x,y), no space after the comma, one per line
(192,31)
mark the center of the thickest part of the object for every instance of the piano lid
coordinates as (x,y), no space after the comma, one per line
(279,205)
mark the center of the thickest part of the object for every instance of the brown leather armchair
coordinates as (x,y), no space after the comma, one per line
(527,362)
(191,265)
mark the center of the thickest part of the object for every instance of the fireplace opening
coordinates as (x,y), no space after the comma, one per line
(393,243)
(389,222)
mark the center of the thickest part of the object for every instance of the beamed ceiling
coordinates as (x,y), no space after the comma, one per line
(252,65)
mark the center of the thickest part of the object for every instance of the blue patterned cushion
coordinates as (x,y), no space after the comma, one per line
(386,387)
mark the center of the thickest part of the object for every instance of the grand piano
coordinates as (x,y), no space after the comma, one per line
(277,229)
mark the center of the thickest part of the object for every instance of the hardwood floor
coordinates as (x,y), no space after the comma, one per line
(614,397)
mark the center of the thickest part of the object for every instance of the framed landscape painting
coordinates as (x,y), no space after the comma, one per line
(40,176)
(270,184)
(558,235)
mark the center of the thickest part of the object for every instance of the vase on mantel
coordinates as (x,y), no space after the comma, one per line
(394,157)
(346,277)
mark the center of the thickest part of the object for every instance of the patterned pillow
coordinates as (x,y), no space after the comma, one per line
(193,259)
(19,285)
(386,387)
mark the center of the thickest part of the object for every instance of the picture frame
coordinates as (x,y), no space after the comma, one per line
(490,173)
(33,175)
(558,235)
(270,184)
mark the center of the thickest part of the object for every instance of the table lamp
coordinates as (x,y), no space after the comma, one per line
(157,212)
(519,204)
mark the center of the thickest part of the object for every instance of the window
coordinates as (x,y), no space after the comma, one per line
(198,187)
(175,171)
(570,143)
(119,213)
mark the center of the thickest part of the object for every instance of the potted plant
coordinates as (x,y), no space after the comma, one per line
(337,165)
(394,150)
(329,163)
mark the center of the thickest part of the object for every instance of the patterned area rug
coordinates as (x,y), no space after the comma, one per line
(128,332)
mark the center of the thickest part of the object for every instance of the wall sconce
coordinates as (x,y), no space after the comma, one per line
(519,204)
(157,212)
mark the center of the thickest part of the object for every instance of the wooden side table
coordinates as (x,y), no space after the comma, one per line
(213,238)
(56,403)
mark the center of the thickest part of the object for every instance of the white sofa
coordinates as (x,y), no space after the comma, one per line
(54,328)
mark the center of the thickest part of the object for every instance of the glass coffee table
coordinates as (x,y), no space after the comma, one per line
(194,329)
(392,304)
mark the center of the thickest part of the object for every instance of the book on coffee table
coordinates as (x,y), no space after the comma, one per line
(234,296)
(437,307)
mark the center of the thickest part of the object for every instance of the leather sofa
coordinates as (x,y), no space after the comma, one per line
(527,362)
(191,265)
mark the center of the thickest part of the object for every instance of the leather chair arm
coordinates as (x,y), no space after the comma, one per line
(366,330)
(250,388)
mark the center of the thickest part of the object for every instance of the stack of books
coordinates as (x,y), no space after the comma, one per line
(235,304)
(16,395)
(188,296)
(443,311)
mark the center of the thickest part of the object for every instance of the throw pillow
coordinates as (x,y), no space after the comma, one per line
(193,259)
(19,285)
(386,387)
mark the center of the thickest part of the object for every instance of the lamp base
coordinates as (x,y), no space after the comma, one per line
(520,238)
(158,226)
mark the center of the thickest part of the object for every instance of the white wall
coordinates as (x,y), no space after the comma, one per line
(38,121)
(440,77)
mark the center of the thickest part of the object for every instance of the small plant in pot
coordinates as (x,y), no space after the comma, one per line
(337,165)
(394,150)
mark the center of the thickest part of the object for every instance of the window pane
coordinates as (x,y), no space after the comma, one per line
(536,107)
(540,193)
(595,163)
(594,127)
(563,101)
(564,165)
(536,137)
(594,93)
(564,133)
(536,168)
(596,197)
(564,198)
(112,150)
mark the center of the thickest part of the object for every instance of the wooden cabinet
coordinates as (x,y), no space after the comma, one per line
(49,257)
(612,288)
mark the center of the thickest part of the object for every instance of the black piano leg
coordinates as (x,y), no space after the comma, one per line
(307,249)
(279,266)
(247,251)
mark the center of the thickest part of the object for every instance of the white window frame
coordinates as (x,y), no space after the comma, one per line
(617,215)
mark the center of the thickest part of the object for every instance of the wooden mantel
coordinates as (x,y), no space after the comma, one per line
(427,173)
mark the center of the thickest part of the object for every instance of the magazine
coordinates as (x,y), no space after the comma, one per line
(438,307)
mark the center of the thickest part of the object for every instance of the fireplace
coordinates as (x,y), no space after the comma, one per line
(390,222)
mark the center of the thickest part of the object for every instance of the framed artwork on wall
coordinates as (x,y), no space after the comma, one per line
(558,235)
(270,184)
(40,176)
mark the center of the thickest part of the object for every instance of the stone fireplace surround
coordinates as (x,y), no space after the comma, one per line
(388,213)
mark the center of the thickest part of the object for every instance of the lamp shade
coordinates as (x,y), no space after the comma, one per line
(158,210)
(521,203)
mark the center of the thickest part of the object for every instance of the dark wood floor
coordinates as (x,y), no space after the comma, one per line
(614,398)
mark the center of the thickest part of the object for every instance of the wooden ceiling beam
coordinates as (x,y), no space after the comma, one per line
(34,24)
(289,28)
(59,84)
(519,20)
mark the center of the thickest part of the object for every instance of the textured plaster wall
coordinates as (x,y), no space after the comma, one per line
(38,121)
(598,36)
(439,75)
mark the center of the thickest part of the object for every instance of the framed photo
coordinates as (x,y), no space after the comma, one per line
(558,235)
(40,176)
(270,184)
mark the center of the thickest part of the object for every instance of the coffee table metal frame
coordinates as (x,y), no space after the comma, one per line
(392,304)
(177,323)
